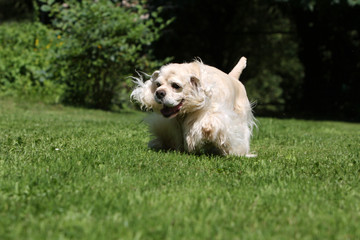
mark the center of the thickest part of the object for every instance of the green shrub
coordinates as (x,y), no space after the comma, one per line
(25,54)
(275,74)
(267,87)
(85,58)
(103,44)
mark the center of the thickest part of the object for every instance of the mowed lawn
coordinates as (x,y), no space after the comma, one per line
(68,173)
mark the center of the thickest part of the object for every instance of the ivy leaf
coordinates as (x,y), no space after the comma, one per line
(45,8)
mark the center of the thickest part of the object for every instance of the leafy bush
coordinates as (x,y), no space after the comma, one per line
(275,75)
(25,54)
(103,44)
(84,58)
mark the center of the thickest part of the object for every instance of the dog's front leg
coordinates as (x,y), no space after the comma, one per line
(190,138)
(189,144)
(206,130)
(197,134)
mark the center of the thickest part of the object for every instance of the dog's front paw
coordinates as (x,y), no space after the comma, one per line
(208,131)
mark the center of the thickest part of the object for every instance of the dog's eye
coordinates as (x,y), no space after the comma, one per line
(174,85)
(157,84)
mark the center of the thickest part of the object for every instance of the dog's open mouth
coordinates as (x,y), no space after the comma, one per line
(170,112)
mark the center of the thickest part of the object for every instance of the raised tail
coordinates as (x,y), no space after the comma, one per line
(237,70)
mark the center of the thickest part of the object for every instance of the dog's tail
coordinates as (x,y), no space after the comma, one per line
(237,70)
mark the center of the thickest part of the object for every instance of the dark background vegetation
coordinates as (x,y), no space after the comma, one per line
(303,55)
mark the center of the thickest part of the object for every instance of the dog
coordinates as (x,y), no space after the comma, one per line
(197,109)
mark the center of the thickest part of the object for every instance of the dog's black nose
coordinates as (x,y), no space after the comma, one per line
(160,94)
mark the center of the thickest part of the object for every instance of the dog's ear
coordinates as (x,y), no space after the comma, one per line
(195,81)
(155,75)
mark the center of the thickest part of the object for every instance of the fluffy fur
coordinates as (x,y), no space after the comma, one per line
(197,108)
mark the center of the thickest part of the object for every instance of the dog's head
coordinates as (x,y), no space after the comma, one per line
(172,90)
(175,86)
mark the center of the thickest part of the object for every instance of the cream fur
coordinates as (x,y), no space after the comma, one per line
(205,109)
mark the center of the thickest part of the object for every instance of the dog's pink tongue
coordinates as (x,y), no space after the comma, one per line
(169,111)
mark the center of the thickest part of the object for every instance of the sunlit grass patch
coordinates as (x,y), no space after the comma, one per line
(85,174)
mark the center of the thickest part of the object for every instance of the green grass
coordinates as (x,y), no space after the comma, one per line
(69,173)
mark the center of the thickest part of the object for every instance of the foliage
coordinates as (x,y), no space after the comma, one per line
(86,174)
(302,55)
(103,44)
(274,74)
(85,58)
(26,52)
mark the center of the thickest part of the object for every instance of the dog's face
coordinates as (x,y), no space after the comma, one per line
(172,87)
